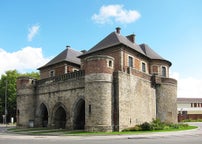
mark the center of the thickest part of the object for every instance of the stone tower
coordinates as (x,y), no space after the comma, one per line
(98,92)
(25,101)
(166,91)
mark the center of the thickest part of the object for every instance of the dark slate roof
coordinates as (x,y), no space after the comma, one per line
(115,38)
(68,55)
(149,52)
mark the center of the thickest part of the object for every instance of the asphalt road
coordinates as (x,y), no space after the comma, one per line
(185,137)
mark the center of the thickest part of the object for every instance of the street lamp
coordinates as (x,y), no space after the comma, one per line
(6,101)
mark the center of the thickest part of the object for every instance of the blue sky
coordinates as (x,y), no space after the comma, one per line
(34,31)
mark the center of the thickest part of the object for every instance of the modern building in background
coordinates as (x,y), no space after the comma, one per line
(189,108)
(114,85)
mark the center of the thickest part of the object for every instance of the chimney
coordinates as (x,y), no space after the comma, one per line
(118,29)
(131,38)
(84,51)
(67,46)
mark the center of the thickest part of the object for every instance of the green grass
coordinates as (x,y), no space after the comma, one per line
(48,131)
(129,132)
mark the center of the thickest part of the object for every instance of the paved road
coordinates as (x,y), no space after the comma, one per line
(185,137)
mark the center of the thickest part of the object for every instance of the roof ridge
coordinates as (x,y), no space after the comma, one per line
(68,54)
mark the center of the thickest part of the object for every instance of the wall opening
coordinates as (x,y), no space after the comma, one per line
(60,118)
(44,115)
(79,115)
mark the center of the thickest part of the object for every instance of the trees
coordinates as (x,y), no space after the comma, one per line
(10,77)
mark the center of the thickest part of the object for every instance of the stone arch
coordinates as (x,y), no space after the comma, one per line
(59,116)
(79,114)
(43,115)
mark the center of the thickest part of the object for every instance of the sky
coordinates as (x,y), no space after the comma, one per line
(34,31)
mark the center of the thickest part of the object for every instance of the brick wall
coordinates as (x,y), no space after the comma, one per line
(58,69)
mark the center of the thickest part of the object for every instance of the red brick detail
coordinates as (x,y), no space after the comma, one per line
(155,69)
(97,64)
(182,117)
(137,64)
(59,69)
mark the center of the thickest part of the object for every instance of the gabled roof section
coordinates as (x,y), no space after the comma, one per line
(68,55)
(114,39)
(150,53)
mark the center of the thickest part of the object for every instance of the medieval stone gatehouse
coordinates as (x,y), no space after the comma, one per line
(114,85)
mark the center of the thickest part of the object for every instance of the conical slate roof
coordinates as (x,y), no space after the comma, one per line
(68,55)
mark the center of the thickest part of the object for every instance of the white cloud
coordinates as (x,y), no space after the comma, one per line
(33,30)
(189,87)
(24,60)
(117,13)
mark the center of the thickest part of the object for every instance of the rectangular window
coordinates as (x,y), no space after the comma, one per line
(130,61)
(89,109)
(143,67)
(164,71)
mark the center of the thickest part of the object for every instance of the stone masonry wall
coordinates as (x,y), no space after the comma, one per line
(98,96)
(166,94)
(136,100)
(25,101)
(64,93)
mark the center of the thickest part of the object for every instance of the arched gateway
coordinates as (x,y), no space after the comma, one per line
(59,116)
(44,115)
(79,115)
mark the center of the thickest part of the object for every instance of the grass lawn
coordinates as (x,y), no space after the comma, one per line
(48,131)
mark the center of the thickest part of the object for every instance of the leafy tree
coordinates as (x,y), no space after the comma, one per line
(32,74)
(10,77)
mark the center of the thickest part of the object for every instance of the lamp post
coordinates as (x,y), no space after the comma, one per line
(6,102)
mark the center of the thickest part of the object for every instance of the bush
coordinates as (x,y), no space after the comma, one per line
(146,126)
(156,124)
(178,126)
(135,128)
